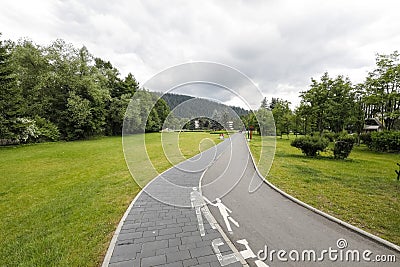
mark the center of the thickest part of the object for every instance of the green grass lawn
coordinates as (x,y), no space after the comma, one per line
(361,190)
(61,202)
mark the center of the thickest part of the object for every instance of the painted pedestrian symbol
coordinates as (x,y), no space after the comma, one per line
(224,210)
(197,202)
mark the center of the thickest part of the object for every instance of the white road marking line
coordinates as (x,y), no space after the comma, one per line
(223,259)
(208,217)
(234,257)
(261,264)
(248,253)
(196,202)
(217,226)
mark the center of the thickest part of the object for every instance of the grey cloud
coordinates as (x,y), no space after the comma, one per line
(278,44)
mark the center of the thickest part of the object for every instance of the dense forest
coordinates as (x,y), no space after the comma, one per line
(59,92)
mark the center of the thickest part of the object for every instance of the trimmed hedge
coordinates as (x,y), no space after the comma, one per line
(310,145)
(343,146)
(385,141)
(366,138)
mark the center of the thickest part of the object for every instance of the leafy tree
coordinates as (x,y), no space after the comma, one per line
(146,112)
(340,104)
(153,122)
(316,98)
(11,101)
(357,118)
(78,116)
(173,123)
(265,122)
(382,88)
(74,79)
(304,117)
(31,69)
(328,103)
(162,110)
(250,120)
(120,93)
(115,114)
(57,84)
(282,116)
(297,122)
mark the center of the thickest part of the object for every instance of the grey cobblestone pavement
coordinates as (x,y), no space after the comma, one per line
(155,233)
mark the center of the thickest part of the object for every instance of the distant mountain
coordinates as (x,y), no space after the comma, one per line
(173,100)
(185,106)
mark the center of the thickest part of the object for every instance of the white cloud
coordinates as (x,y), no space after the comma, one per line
(278,44)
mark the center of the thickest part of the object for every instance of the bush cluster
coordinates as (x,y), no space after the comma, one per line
(32,130)
(310,145)
(385,141)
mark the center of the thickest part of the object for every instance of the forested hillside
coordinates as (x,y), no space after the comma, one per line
(60,92)
(191,106)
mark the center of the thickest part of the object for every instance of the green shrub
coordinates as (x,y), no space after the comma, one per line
(219,132)
(28,130)
(343,146)
(385,141)
(47,131)
(318,134)
(310,145)
(329,135)
(366,138)
(25,130)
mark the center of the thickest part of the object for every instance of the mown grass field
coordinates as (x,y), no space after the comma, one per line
(361,190)
(61,202)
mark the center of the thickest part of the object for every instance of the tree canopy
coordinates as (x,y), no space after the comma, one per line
(59,91)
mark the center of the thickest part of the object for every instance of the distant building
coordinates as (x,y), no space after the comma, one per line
(372,125)
(196,124)
(230,125)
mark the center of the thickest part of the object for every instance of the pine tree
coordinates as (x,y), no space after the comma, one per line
(264,103)
(10,96)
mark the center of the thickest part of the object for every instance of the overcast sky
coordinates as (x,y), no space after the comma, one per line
(279,44)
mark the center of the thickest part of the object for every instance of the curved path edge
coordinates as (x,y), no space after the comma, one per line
(117,231)
(375,238)
(113,241)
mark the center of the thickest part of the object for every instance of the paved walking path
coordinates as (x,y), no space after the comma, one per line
(242,222)
(267,218)
(158,234)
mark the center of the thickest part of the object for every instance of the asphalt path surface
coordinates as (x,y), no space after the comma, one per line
(265,218)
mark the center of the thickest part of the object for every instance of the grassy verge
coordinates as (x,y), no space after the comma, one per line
(60,202)
(361,190)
